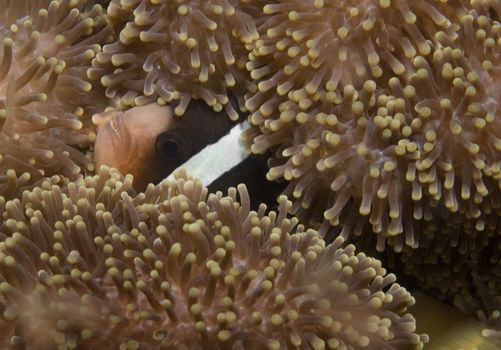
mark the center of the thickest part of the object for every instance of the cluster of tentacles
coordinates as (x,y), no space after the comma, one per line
(383,117)
(95,265)
(46,100)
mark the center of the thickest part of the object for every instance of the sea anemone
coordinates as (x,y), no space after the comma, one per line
(95,265)
(175,51)
(45,98)
(458,266)
(383,114)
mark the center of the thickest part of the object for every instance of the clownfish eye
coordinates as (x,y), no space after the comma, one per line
(173,146)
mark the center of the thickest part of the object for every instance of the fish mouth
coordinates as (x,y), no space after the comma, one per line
(122,141)
(113,127)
